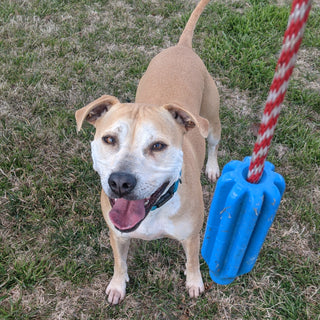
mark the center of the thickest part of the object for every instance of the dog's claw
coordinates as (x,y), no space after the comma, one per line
(194,292)
(195,286)
(212,173)
(115,293)
(115,297)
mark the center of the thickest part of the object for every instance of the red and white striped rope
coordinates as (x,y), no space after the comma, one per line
(291,43)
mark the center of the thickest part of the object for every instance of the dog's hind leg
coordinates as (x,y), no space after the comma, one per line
(210,111)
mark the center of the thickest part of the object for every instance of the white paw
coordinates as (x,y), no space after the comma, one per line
(195,286)
(212,171)
(195,291)
(116,291)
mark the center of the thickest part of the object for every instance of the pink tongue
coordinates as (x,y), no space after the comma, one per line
(125,214)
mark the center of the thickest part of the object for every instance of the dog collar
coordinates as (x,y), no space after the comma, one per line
(167,196)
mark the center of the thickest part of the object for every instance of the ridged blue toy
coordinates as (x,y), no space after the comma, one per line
(240,216)
(248,193)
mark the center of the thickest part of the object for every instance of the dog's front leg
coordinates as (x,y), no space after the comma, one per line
(194,280)
(116,289)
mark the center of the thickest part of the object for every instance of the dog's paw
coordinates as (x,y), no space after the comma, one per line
(116,292)
(212,171)
(194,292)
(195,286)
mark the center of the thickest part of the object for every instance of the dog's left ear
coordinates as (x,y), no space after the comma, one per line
(94,110)
(187,119)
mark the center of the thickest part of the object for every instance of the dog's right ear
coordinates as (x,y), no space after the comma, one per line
(94,110)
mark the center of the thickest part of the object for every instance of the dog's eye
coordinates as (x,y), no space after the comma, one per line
(109,140)
(158,146)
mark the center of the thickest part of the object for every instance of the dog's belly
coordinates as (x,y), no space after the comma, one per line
(158,224)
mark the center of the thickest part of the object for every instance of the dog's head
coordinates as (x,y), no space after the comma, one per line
(137,151)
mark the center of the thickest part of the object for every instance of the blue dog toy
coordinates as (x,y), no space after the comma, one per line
(248,193)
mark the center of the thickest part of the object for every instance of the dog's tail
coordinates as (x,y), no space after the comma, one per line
(187,34)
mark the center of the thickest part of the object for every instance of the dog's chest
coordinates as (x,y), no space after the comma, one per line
(159,223)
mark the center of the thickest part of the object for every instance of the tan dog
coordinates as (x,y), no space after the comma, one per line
(149,155)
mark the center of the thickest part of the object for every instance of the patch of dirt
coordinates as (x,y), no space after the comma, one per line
(306,70)
(236,100)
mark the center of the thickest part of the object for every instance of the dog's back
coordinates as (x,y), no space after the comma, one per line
(176,72)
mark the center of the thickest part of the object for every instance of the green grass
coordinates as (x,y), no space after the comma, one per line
(55,257)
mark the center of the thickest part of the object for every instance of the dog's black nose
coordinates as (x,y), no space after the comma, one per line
(122,183)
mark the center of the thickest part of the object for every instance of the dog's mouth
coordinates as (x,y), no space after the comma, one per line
(126,215)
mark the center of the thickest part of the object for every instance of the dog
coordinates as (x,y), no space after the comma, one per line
(149,156)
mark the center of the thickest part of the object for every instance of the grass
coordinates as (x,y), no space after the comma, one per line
(55,257)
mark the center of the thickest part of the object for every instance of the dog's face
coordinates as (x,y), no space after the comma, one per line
(137,152)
